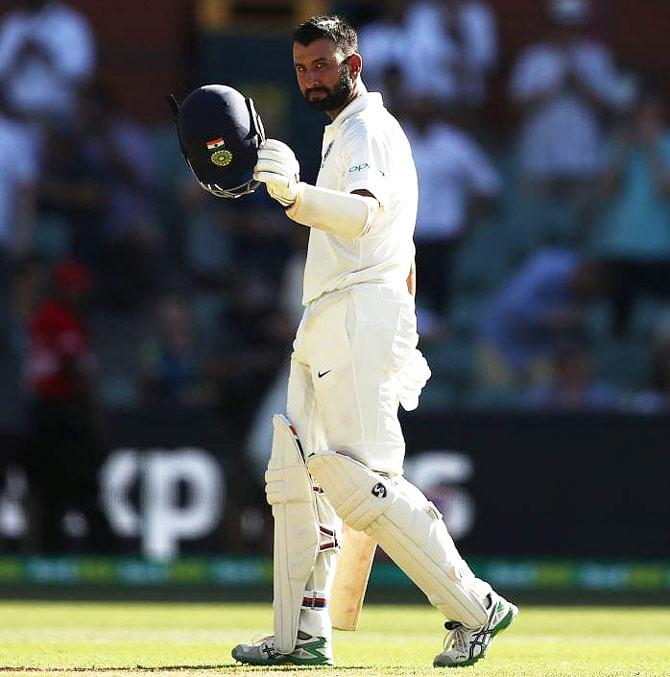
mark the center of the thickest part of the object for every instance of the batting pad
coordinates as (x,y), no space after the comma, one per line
(408,528)
(288,487)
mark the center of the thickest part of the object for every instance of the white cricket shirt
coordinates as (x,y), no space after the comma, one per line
(365,148)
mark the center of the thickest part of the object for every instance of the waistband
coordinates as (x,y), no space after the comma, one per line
(370,289)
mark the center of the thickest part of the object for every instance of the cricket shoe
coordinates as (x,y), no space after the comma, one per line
(465,646)
(308,650)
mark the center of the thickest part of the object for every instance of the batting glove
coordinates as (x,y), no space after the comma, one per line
(413,377)
(278,168)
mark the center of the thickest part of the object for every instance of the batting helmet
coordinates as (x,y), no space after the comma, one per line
(219,133)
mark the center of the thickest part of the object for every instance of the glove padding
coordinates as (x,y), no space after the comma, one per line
(278,168)
(412,378)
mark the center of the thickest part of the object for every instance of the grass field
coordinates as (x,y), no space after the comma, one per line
(196,639)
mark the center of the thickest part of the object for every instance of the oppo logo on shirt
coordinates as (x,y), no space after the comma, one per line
(358,168)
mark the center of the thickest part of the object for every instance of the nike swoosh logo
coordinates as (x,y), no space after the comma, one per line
(321,374)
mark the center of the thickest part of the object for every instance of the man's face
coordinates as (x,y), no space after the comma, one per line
(323,73)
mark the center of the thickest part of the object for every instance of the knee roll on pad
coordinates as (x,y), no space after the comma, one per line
(288,489)
(409,530)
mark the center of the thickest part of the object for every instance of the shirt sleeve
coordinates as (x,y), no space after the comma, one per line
(364,162)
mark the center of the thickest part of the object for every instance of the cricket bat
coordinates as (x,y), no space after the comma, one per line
(354,564)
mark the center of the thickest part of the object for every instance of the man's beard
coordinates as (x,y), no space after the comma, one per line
(337,98)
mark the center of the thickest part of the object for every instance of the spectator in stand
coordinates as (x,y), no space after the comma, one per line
(70,192)
(633,234)
(455,178)
(572,385)
(385,43)
(207,250)
(66,442)
(47,53)
(443,48)
(172,359)
(542,306)
(98,175)
(131,236)
(656,399)
(252,347)
(19,171)
(206,256)
(561,86)
(29,279)
(458,38)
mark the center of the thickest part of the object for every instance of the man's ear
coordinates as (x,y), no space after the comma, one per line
(355,65)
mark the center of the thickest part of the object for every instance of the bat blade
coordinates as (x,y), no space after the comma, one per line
(354,564)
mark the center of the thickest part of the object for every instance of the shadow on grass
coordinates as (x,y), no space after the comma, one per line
(176,668)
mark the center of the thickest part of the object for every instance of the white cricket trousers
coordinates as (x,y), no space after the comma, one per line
(343,394)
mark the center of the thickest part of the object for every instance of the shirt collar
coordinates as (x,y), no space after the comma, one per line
(365,100)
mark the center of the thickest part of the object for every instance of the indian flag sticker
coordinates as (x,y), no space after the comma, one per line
(215,143)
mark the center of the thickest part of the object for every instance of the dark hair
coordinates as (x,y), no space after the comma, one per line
(333,27)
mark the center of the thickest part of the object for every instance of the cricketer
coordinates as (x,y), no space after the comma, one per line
(337,454)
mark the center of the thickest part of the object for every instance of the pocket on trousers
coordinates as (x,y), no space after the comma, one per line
(330,339)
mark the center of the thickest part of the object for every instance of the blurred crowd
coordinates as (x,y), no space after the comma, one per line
(543,257)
